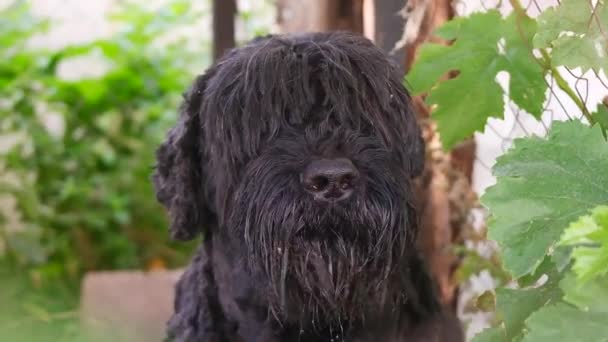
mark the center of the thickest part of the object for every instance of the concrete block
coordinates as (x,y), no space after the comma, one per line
(128,305)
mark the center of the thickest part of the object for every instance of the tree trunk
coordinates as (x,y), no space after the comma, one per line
(320,15)
(383,24)
(446,192)
(224,12)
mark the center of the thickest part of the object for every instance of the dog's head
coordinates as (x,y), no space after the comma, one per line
(300,150)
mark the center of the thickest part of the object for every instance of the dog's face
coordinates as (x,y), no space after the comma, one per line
(299,150)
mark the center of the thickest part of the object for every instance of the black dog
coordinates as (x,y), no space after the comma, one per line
(295,156)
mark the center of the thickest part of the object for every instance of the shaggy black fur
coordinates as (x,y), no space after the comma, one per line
(276,264)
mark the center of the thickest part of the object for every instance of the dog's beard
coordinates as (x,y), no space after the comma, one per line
(326,263)
(328,280)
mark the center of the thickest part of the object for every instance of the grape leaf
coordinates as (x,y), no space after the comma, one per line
(601,117)
(543,184)
(514,306)
(577,34)
(562,322)
(485,44)
(495,334)
(527,86)
(464,104)
(561,257)
(589,296)
(589,235)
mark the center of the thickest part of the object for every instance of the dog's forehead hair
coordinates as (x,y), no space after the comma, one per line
(238,114)
(323,80)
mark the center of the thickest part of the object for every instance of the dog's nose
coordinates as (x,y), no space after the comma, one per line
(330,180)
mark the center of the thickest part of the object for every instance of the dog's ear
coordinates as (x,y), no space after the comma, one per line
(180,169)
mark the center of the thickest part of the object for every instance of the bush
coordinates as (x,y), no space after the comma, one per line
(81,151)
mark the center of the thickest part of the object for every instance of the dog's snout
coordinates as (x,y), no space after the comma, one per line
(330,179)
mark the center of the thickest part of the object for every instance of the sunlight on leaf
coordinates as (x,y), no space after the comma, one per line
(589,296)
(589,237)
(577,34)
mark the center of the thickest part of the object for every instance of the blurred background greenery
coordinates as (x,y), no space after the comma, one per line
(76,154)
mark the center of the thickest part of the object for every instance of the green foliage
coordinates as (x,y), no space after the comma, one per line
(580,316)
(491,335)
(485,44)
(562,322)
(548,208)
(585,44)
(514,306)
(30,313)
(543,185)
(588,296)
(589,235)
(601,117)
(83,188)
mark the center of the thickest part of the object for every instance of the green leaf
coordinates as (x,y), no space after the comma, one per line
(514,306)
(428,69)
(589,296)
(561,257)
(485,45)
(527,86)
(589,235)
(562,322)
(601,117)
(576,33)
(495,334)
(543,184)
(460,100)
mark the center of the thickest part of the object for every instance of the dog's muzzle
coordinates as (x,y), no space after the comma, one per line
(330,180)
